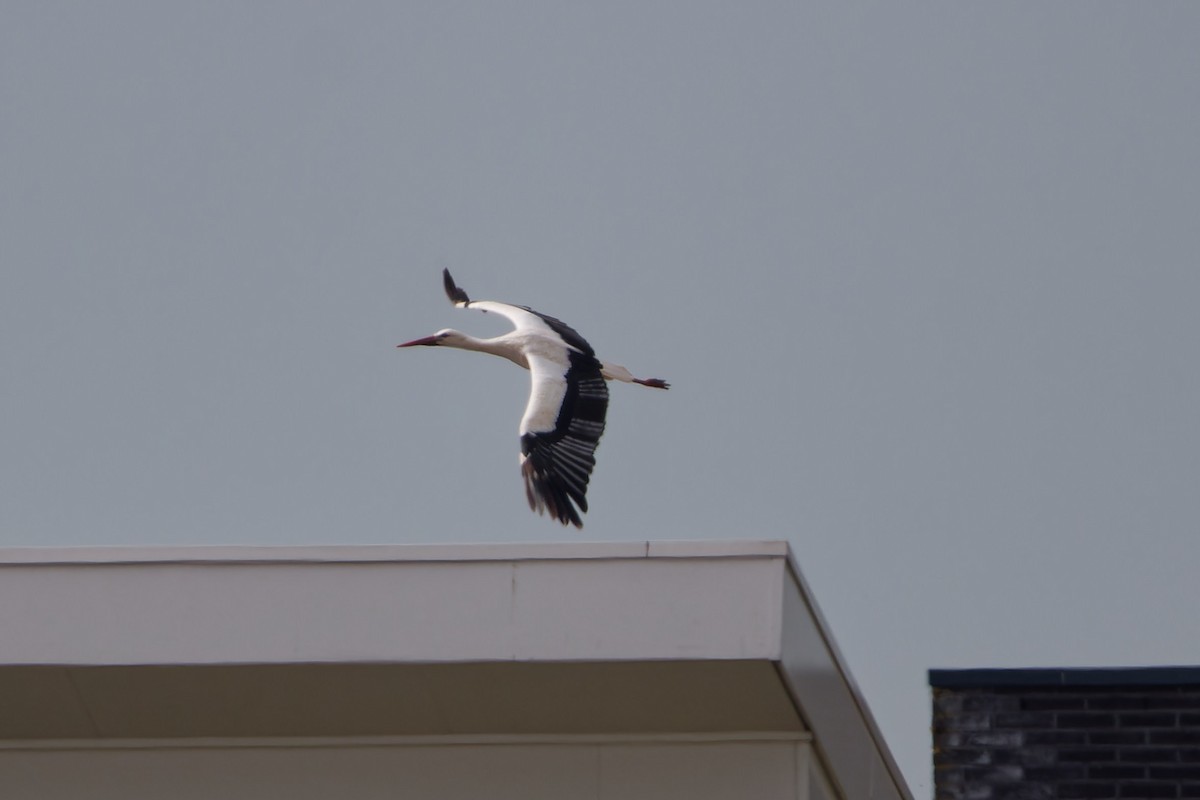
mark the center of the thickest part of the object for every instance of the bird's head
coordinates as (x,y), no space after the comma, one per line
(442,337)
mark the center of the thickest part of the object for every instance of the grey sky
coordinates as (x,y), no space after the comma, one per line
(923,277)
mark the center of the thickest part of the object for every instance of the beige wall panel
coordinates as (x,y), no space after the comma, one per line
(663,771)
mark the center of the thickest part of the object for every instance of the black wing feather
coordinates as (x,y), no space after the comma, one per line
(569,334)
(455,294)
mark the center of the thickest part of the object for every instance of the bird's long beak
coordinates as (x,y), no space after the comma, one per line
(424,340)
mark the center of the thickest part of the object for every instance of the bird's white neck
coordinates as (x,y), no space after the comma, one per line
(501,346)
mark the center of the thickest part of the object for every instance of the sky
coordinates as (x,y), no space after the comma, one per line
(923,277)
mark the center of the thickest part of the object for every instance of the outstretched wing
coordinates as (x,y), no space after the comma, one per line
(523,317)
(560,431)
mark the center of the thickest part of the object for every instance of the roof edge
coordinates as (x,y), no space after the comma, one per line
(860,706)
(365,553)
(1064,676)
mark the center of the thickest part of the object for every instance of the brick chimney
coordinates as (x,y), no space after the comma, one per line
(1044,734)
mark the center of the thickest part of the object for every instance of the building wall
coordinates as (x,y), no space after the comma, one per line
(623,669)
(1078,740)
(770,769)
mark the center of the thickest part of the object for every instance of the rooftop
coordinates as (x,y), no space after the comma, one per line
(1059,676)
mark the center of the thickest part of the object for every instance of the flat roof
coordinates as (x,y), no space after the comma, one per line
(1064,676)
(143,643)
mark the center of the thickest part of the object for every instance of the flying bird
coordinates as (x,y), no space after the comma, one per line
(564,418)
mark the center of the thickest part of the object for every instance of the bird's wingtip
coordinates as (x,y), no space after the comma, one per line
(541,499)
(457,295)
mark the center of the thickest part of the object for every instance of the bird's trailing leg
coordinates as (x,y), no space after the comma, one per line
(615,372)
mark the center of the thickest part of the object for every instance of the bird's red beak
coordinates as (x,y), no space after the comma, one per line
(425,340)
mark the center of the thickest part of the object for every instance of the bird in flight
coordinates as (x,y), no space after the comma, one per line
(564,418)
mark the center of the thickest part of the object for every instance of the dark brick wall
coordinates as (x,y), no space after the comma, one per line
(1042,742)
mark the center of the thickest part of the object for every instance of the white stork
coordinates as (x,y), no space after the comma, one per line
(564,419)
